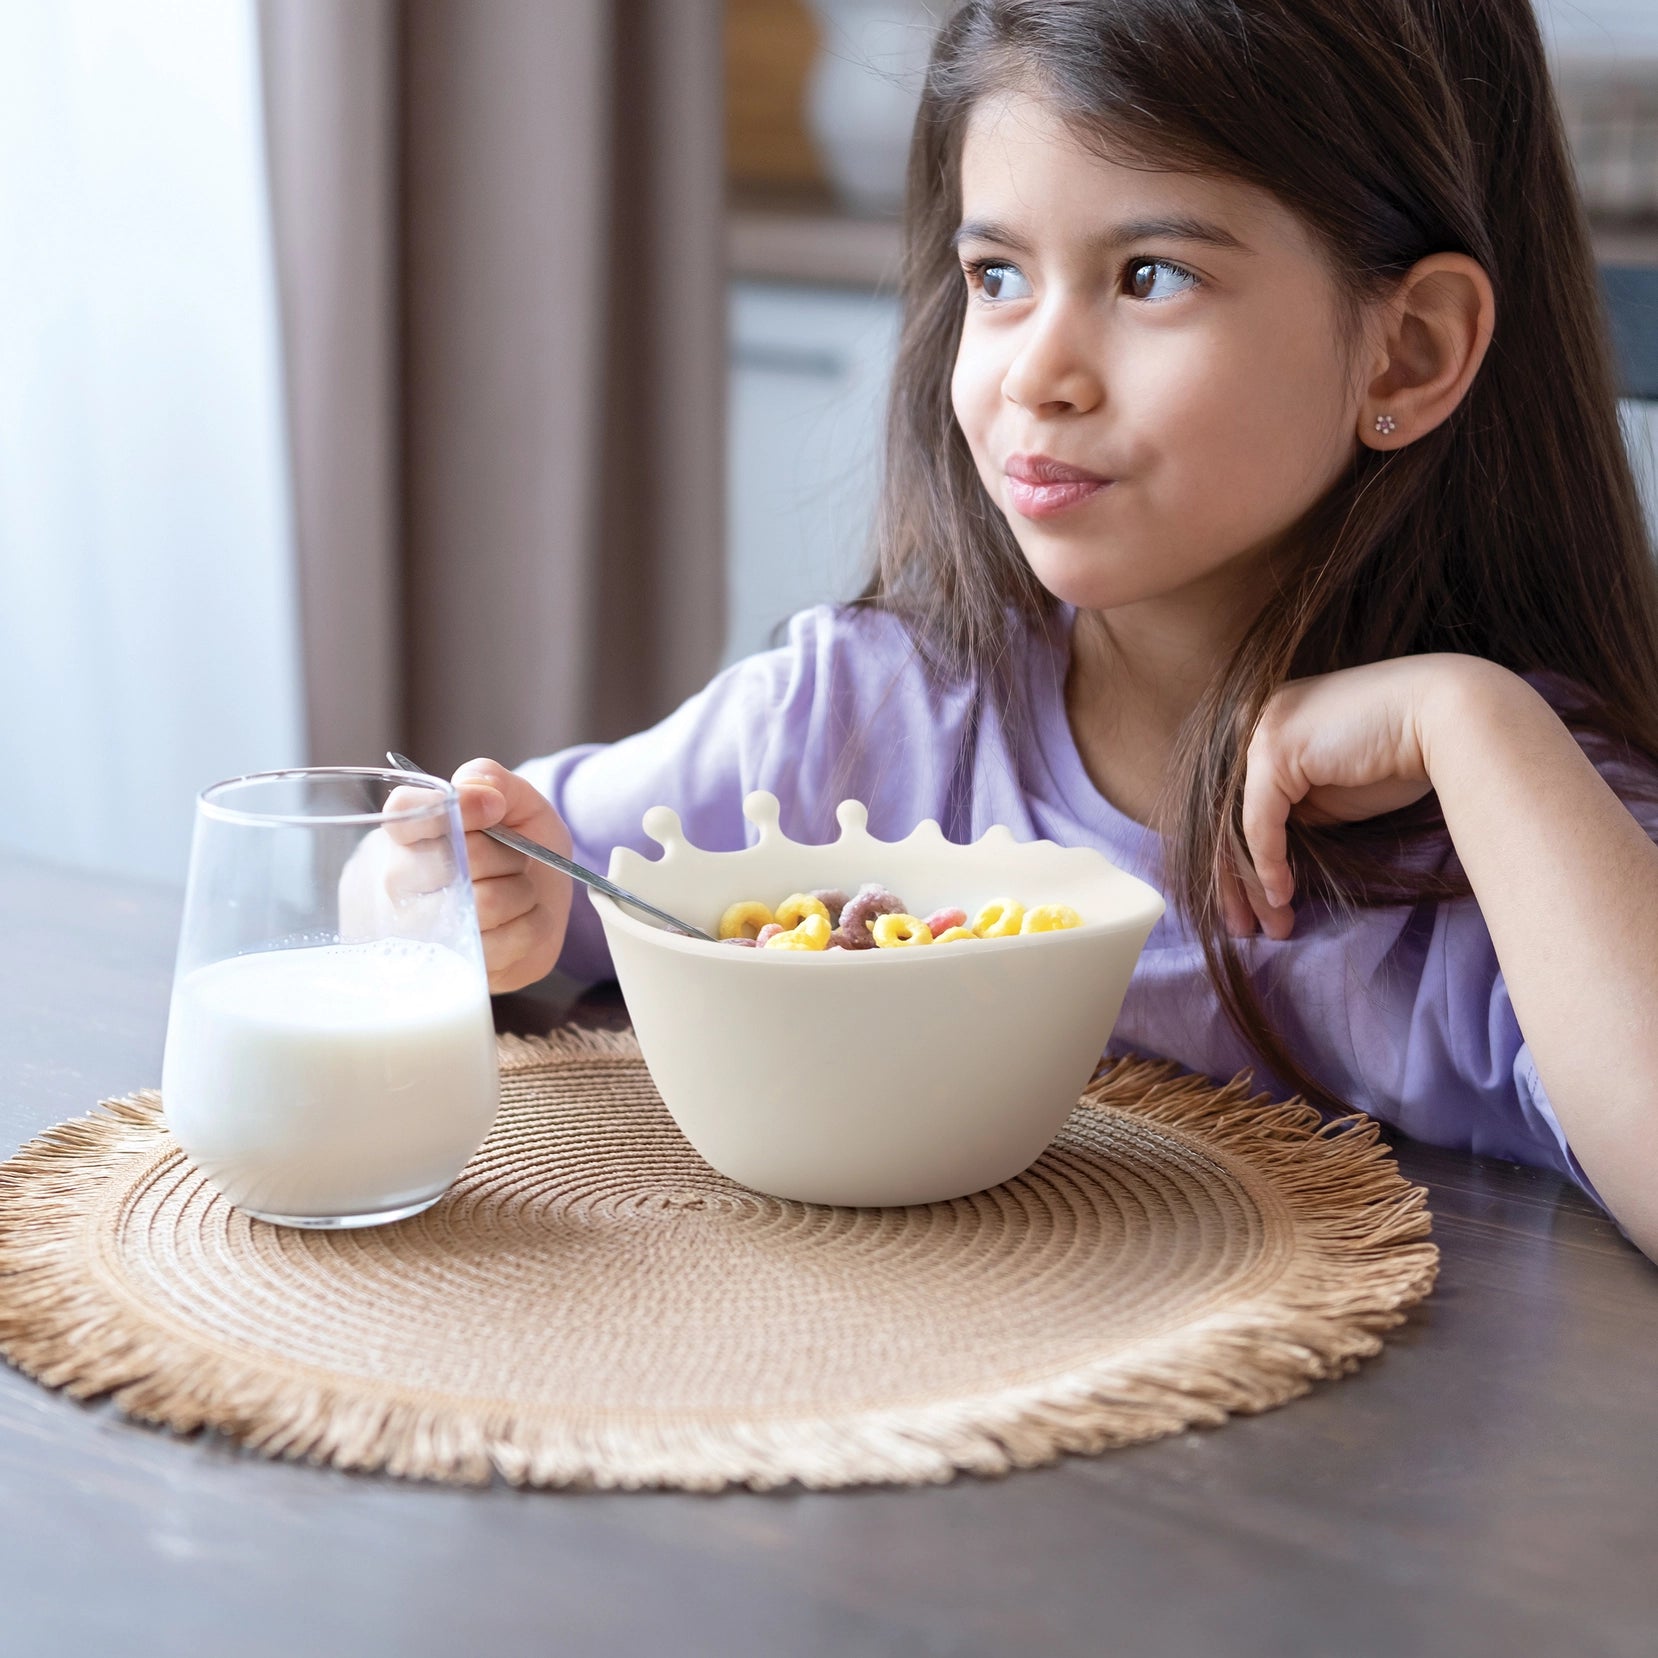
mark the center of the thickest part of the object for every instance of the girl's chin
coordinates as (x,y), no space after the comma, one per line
(1090,583)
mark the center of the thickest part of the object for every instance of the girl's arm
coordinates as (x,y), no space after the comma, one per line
(1565,877)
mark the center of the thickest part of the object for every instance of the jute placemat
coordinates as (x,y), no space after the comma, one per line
(591,1304)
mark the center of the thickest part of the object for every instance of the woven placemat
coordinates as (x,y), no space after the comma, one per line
(591,1304)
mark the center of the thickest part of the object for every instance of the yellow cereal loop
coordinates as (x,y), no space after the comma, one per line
(1050,918)
(796,907)
(1000,918)
(899,931)
(744,920)
(954,935)
(811,934)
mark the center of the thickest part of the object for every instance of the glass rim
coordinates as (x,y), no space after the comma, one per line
(208,806)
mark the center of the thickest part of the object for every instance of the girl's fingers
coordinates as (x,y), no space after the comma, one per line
(488,859)
(421,823)
(523,806)
(519,952)
(1244,906)
(1277,920)
(503,898)
(412,870)
(1234,905)
(423,863)
(522,907)
(1266,815)
(482,806)
(1272,789)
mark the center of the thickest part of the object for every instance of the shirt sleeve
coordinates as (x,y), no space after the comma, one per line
(842,710)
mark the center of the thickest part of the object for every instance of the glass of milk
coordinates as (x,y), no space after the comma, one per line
(330,1056)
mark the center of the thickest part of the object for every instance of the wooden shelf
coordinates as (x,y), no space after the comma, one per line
(804,236)
(1625,242)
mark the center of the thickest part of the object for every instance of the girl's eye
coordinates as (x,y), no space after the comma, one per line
(996,279)
(1148,279)
(1142,277)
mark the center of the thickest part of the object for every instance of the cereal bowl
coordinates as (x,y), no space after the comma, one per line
(873,1077)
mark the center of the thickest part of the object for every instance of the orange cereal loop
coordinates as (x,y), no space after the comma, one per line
(811,934)
(899,931)
(797,906)
(1050,918)
(1000,918)
(745,919)
(954,935)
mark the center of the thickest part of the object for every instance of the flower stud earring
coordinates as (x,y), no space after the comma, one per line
(1385,423)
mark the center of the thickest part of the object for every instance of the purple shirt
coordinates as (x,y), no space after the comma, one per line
(1402,1012)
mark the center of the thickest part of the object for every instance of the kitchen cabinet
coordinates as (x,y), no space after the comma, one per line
(809,373)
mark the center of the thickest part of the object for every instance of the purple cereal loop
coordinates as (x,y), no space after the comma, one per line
(741,942)
(858,915)
(833,900)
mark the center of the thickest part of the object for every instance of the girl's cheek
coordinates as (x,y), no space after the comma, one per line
(973,396)
(965,384)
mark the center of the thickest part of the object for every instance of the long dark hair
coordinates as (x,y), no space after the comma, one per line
(1393,129)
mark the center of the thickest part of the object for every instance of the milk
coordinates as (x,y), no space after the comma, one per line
(333,1081)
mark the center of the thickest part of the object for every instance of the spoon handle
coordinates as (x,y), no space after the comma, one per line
(546,855)
(534,849)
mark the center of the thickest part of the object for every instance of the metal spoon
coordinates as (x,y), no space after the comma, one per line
(546,855)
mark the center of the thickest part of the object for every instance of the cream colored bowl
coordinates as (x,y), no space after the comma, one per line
(873,1076)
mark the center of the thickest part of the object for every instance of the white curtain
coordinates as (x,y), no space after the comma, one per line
(148,622)
(1600,28)
(1640,430)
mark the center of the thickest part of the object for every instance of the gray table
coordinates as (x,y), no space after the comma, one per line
(1490,1484)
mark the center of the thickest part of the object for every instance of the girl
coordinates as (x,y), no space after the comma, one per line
(1256,511)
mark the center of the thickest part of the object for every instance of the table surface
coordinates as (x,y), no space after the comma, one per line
(1489,1484)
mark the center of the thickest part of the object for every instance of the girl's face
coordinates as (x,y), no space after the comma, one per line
(1170,335)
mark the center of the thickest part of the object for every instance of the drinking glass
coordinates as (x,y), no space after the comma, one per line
(330,1057)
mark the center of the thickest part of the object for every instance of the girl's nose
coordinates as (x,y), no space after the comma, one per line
(1054,364)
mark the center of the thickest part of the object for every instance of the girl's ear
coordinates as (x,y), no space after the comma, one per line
(1433,335)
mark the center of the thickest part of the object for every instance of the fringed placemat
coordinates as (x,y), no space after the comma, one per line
(591,1304)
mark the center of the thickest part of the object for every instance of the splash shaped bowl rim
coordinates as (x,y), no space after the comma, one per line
(1134,904)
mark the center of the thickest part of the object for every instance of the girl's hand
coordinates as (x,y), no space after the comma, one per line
(523,906)
(1332,749)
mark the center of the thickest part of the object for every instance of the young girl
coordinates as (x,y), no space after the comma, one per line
(1255,511)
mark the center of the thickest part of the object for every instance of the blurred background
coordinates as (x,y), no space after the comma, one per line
(472,376)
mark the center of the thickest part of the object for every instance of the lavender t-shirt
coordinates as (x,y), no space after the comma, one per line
(1402,1012)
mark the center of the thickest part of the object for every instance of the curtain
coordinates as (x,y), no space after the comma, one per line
(499,241)
(147,611)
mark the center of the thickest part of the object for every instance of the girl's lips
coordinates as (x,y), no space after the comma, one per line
(1039,486)
(1034,500)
